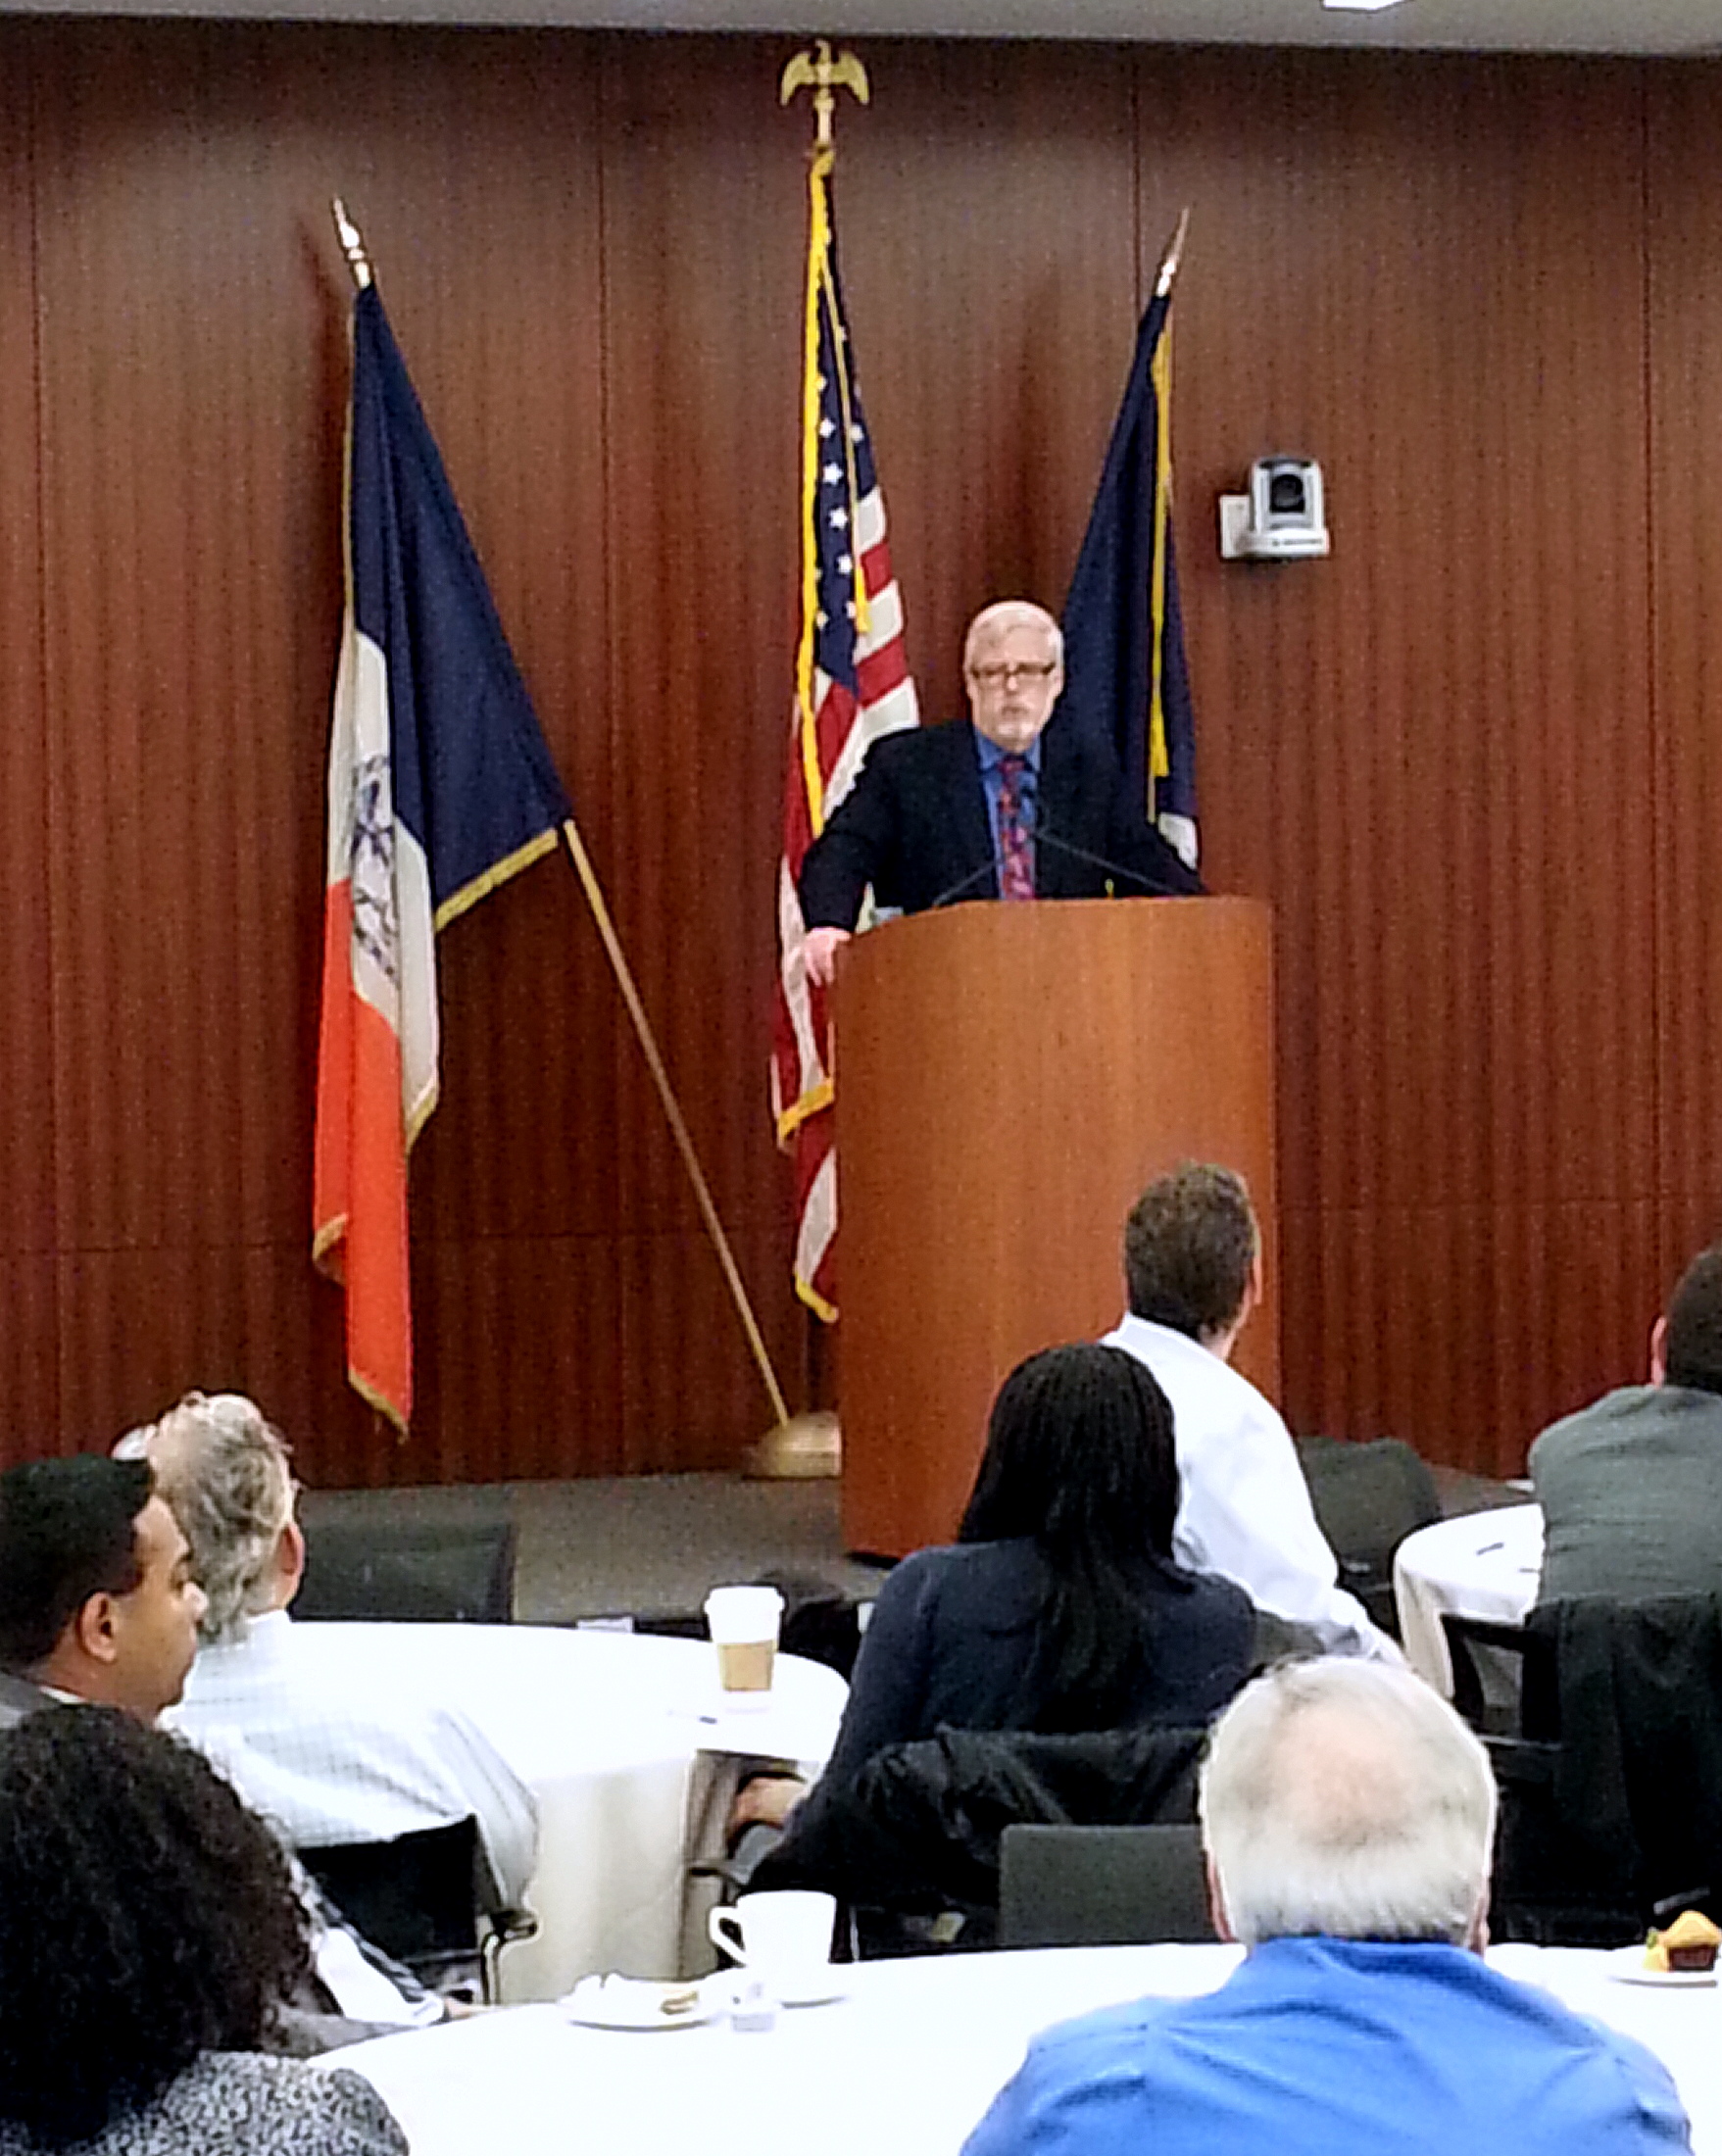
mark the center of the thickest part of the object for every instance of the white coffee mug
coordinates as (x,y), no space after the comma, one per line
(785,1938)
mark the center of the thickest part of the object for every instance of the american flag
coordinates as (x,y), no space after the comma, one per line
(852,684)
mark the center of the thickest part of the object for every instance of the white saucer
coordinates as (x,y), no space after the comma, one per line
(629,2002)
(826,1988)
(1626,1965)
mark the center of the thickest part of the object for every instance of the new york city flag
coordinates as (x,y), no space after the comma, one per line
(440,787)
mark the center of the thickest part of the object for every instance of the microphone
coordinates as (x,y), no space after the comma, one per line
(963,884)
(1147,885)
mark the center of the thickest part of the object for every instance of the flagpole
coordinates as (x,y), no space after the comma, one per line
(352,245)
(1174,254)
(630,996)
(359,262)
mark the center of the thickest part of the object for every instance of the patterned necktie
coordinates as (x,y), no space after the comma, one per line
(1015,855)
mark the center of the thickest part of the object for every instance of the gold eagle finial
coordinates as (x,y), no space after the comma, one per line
(818,71)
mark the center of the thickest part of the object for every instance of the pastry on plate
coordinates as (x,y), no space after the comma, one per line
(1690,1943)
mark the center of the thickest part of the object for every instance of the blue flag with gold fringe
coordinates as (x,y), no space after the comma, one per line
(1126,676)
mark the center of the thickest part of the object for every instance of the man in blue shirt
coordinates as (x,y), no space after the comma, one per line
(1347,1816)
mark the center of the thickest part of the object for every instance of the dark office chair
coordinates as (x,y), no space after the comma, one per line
(1603,1773)
(409,1572)
(1367,1498)
(910,1846)
(1101,1886)
(1638,1781)
(1503,1676)
(424,1898)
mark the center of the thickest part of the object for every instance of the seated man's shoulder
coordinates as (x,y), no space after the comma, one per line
(1108,2038)
(1624,1415)
(300,1690)
(1209,1393)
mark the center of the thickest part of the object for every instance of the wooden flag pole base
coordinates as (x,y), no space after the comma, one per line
(806,1449)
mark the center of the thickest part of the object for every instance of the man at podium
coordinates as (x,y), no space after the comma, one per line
(999,805)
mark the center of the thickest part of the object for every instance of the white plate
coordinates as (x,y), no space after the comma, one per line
(629,2002)
(1626,1965)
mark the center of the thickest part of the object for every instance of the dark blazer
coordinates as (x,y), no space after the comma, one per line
(18,1697)
(919,1825)
(916,827)
(952,1629)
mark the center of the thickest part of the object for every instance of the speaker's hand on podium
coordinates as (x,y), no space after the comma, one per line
(822,947)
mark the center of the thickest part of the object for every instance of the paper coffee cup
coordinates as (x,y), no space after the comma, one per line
(743,1622)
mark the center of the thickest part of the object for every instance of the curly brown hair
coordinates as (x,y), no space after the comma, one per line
(146,1916)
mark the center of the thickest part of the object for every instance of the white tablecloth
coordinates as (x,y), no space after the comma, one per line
(1483,1564)
(908,2064)
(616,1734)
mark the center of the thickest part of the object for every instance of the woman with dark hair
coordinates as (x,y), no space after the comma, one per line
(149,1931)
(1061,1607)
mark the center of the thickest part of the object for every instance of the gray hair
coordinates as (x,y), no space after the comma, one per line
(224,1470)
(1012,614)
(1346,1797)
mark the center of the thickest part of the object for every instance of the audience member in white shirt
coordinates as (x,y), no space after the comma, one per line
(329,1757)
(1193,1275)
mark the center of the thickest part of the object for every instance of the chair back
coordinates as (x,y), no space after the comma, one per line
(918,1829)
(1101,1886)
(1368,1497)
(409,1572)
(414,1895)
(1477,1647)
(425,1898)
(1624,1810)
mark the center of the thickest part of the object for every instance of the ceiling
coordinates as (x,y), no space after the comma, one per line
(1689,27)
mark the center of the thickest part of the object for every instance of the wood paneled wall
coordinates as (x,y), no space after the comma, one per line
(1470,760)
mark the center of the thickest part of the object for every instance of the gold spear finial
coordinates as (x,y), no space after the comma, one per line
(818,71)
(1168,267)
(352,245)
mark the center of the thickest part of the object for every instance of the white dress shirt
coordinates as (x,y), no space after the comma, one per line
(336,1759)
(1245,1510)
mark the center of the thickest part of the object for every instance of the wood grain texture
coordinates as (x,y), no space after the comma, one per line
(1093,1047)
(1685,185)
(1431,751)
(1470,760)
(987,224)
(28,1119)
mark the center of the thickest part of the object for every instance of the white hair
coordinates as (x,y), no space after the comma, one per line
(224,1470)
(1346,1797)
(1012,614)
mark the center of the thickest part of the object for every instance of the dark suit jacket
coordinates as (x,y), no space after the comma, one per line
(919,1827)
(916,827)
(18,1697)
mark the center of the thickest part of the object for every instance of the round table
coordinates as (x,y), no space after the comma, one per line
(908,2063)
(1481,1564)
(624,1740)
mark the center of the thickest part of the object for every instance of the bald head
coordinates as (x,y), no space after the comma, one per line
(1014,665)
(1345,1797)
(223,1469)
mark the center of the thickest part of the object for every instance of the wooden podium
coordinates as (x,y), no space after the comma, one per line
(1010,1078)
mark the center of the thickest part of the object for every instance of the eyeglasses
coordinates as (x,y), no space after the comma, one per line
(1004,677)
